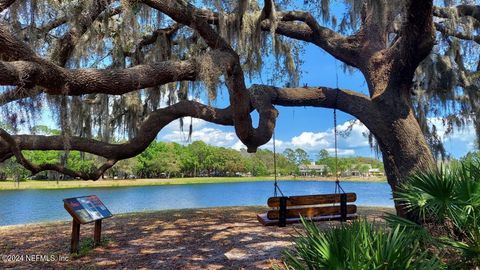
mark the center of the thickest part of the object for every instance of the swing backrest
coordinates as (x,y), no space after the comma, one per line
(318,207)
(311,199)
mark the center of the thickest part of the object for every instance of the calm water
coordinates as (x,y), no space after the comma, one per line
(29,206)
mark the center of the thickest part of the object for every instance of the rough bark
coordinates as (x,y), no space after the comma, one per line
(56,80)
(403,146)
(389,74)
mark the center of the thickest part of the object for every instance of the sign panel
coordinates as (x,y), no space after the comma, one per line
(86,209)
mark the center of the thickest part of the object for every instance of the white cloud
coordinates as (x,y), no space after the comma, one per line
(341,152)
(209,135)
(311,142)
(238,145)
(356,137)
(314,142)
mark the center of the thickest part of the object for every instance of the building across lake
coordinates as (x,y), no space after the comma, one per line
(364,170)
(313,169)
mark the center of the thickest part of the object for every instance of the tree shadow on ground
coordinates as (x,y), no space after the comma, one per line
(211,238)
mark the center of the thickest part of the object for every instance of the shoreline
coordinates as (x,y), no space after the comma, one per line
(151,212)
(110,183)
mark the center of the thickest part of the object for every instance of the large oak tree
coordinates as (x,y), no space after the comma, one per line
(103,67)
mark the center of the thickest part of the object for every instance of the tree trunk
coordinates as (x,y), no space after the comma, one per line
(403,146)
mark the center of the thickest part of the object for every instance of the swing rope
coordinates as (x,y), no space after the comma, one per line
(276,187)
(338,187)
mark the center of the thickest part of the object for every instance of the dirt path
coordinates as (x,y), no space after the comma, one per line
(214,238)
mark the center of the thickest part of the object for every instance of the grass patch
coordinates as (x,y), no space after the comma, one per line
(52,184)
(86,245)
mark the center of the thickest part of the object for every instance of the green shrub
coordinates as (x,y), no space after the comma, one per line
(359,245)
(447,202)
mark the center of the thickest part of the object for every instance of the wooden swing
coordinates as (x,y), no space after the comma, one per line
(320,207)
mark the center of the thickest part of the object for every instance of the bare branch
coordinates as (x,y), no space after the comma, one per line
(17,94)
(4,4)
(458,11)
(66,44)
(343,48)
(47,27)
(451,32)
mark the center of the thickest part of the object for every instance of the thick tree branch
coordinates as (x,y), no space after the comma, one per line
(418,34)
(17,94)
(417,38)
(264,96)
(147,132)
(351,102)
(57,80)
(36,168)
(12,49)
(348,101)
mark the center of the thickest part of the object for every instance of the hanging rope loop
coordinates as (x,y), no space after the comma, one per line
(335,134)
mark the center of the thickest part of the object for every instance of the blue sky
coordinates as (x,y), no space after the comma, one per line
(312,128)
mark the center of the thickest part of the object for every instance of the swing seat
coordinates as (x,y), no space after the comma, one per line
(311,207)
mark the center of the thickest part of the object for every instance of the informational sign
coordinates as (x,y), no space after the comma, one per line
(86,209)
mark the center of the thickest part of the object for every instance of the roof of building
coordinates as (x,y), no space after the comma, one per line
(312,167)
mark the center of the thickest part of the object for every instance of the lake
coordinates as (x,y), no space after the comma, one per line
(31,206)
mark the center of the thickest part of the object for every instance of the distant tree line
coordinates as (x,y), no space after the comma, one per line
(344,164)
(164,159)
(198,159)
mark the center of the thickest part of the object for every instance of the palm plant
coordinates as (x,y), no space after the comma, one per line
(447,200)
(359,245)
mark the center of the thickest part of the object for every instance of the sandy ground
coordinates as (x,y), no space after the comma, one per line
(212,238)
